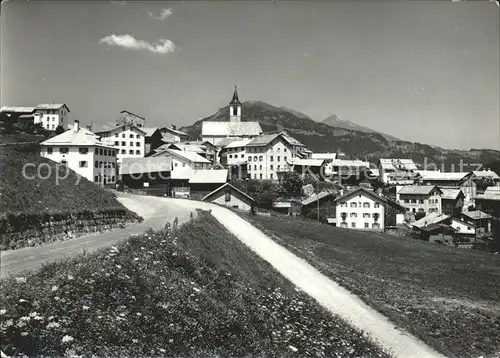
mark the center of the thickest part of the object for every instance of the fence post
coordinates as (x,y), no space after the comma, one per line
(176,222)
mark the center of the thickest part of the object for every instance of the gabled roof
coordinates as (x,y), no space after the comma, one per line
(491,193)
(186,155)
(239,143)
(263,139)
(361,191)
(80,137)
(451,194)
(325,156)
(418,189)
(432,218)
(222,143)
(175,131)
(225,187)
(306,162)
(149,130)
(209,176)
(291,140)
(135,115)
(230,129)
(114,129)
(476,214)
(438,176)
(315,197)
(186,147)
(464,222)
(52,106)
(397,163)
(486,174)
(145,165)
(349,163)
(15,109)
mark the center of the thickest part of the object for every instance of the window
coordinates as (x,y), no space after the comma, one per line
(113,178)
(117,143)
(227,197)
(354,205)
(242,156)
(96,178)
(138,152)
(353,215)
(230,156)
(284,150)
(278,149)
(63,162)
(249,159)
(138,144)
(260,158)
(413,201)
(176,164)
(49,150)
(343,204)
(131,144)
(271,158)
(377,205)
(124,144)
(123,135)
(83,164)
(96,164)
(271,167)
(366,215)
(278,158)
(131,136)
(123,151)
(271,175)
(183,164)
(260,175)
(101,152)
(376,225)
(421,201)
(255,167)
(64,150)
(367,225)
(131,151)
(366,205)
(116,134)
(255,158)
(353,224)
(249,167)
(137,135)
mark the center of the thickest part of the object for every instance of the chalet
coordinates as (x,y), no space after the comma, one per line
(437,233)
(230,196)
(488,176)
(173,135)
(152,139)
(21,115)
(51,115)
(235,158)
(128,140)
(457,180)
(348,171)
(463,228)
(314,167)
(360,209)
(152,173)
(288,206)
(489,201)
(432,218)
(321,204)
(425,199)
(452,201)
(396,171)
(480,219)
(235,128)
(83,152)
(204,181)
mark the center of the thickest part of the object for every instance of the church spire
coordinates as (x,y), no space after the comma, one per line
(235,100)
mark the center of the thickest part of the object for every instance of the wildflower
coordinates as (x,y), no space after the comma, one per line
(33,314)
(139,314)
(118,266)
(67,339)
(56,298)
(21,279)
(136,259)
(293,349)
(170,340)
(135,340)
(54,288)
(162,350)
(51,318)
(3,311)
(25,318)
(38,318)
(21,300)
(196,289)
(53,325)
(70,277)
(85,308)
(24,334)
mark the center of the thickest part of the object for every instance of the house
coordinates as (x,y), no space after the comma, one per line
(329,157)
(130,119)
(83,152)
(432,218)
(22,115)
(360,209)
(484,179)
(234,157)
(235,128)
(129,141)
(230,196)
(463,228)
(205,181)
(152,139)
(348,171)
(489,201)
(315,167)
(396,171)
(425,199)
(288,206)
(320,204)
(437,233)
(173,135)
(269,154)
(51,115)
(149,172)
(457,180)
(452,201)
(480,219)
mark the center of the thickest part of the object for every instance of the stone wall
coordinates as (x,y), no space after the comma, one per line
(22,230)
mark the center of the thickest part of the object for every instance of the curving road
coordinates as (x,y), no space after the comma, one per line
(157,211)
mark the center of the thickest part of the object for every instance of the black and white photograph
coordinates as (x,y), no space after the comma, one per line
(267,178)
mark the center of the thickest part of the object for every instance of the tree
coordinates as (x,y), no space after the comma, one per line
(292,183)
(59,129)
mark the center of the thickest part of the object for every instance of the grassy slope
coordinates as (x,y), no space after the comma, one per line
(202,294)
(448,297)
(18,194)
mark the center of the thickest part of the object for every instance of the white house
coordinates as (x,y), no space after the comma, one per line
(129,141)
(173,135)
(360,209)
(83,152)
(420,198)
(230,196)
(450,180)
(184,163)
(397,171)
(463,227)
(51,115)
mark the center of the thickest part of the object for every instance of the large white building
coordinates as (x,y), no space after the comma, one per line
(83,152)
(51,115)
(397,171)
(420,198)
(360,209)
(128,140)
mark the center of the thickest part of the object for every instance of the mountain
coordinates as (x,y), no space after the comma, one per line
(335,122)
(355,142)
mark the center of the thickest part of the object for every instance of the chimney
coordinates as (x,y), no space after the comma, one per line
(174,127)
(89,128)
(76,126)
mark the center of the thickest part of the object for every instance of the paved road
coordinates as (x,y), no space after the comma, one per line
(155,216)
(328,293)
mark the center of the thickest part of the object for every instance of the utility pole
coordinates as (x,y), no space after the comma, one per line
(317,196)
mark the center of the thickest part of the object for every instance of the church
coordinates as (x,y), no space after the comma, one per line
(214,132)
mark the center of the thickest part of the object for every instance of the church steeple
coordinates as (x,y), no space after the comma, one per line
(235,107)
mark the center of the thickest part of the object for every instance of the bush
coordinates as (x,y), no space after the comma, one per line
(292,183)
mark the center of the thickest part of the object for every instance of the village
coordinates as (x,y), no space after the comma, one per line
(393,195)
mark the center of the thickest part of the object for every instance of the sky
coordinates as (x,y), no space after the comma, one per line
(423,71)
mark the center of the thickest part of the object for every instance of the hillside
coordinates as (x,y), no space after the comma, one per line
(335,122)
(321,137)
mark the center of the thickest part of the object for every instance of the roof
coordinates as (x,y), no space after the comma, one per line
(175,131)
(140,129)
(397,163)
(426,172)
(434,227)
(315,197)
(16,109)
(239,143)
(225,141)
(149,130)
(233,129)
(349,163)
(375,172)
(476,214)
(82,137)
(432,218)
(235,100)
(491,193)
(135,115)
(463,222)
(363,191)
(186,147)
(447,176)
(325,156)
(190,156)
(306,162)
(227,186)
(417,189)
(291,140)
(209,176)
(145,165)
(486,174)
(451,194)
(52,106)
(263,139)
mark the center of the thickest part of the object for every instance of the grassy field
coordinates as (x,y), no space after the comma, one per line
(448,297)
(201,293)
(18,194)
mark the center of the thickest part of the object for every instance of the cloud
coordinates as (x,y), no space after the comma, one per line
(164,14)
(160,46)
